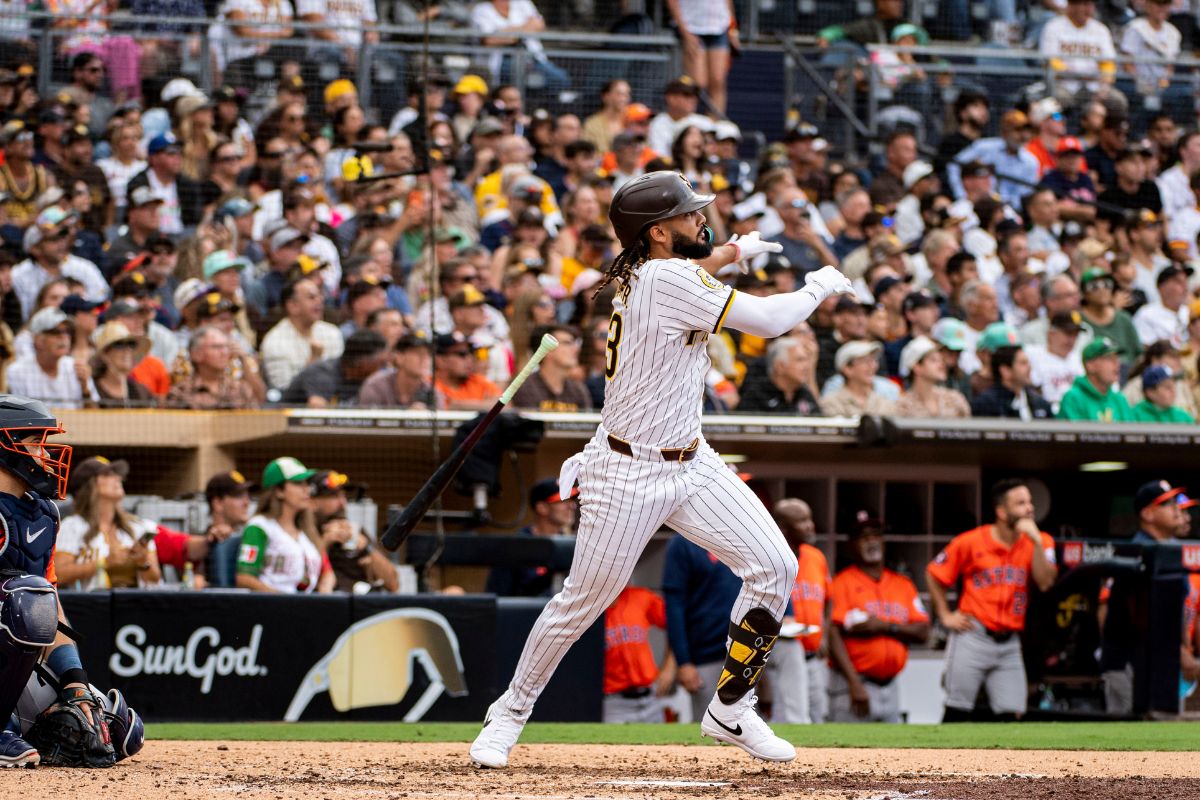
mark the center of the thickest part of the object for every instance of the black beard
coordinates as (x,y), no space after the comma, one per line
(690,248)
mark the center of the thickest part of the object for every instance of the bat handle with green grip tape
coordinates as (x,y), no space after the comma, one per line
(547,344)
(412,514)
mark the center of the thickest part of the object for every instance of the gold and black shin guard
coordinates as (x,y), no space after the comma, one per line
(750,643)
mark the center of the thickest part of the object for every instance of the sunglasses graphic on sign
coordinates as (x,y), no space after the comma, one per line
(371,664)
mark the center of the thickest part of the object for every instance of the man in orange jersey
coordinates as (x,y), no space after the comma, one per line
(876,616)
(997,564)
(810,606)
(459,385)
(633,683)
(1189,663)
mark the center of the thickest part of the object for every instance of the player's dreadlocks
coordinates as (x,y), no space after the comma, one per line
(622,267)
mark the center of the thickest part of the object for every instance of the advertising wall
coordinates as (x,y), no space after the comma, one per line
(218,655)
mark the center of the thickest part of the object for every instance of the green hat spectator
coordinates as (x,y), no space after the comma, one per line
(1099,348)
(1092,274)
(285,469)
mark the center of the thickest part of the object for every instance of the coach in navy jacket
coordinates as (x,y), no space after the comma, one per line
(700,592)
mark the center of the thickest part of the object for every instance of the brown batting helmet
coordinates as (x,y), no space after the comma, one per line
(649,198)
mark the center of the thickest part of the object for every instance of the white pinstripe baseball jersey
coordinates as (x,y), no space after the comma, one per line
(656,365)
(656,353)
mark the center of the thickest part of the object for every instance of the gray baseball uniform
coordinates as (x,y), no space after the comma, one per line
(995,597)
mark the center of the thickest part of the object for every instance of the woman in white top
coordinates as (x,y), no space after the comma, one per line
(102,544)
(125,162)
(281,550)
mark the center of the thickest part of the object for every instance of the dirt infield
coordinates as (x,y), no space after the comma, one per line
(332,771)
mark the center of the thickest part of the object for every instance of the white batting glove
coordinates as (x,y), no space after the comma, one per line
(829,281)
(750,246)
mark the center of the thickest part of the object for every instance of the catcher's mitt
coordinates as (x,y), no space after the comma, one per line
(64,737)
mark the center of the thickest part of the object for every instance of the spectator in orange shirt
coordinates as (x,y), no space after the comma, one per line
(633,682)
(810,606)
(637,130)
(459,384)
(876,616)
(996,564)
(1189,664)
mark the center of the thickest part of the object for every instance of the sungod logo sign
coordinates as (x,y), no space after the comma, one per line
(202,657)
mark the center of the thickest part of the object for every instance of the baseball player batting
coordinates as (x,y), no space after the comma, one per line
(648,464)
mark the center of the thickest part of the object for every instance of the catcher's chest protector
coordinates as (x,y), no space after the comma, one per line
(28,531)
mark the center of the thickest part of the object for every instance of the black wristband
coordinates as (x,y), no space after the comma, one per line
(893,629)
(77,675)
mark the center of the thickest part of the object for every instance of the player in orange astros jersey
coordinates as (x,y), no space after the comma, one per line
(998,564)
(876,616)
(632,682)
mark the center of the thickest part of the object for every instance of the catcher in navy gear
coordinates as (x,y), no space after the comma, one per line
(50,712)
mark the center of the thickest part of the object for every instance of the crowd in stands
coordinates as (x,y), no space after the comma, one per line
(296,536)
(169,251)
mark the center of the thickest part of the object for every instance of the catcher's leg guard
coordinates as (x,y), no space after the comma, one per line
(750,644)
(28,623)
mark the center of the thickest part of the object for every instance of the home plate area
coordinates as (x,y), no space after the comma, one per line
(329,771)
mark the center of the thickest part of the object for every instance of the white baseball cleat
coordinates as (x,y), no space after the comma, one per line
(501,729)
(739,724)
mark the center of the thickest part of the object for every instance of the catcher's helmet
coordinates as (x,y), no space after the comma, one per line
(25,425)
(649,198)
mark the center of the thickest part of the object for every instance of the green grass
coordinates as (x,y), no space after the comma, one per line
(1173,736)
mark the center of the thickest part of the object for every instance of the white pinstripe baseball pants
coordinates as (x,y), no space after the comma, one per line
(623,502)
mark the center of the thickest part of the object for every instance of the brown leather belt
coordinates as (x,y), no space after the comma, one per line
(668,453)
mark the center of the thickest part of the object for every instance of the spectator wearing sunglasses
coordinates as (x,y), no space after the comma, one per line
(459,384)
(468,309)
(803,246)
(1050,126)
(118,350)
(1103,318)
(21,180)
(50,374)
(142,224)
(553,387)
(48,243)
(454,275)
(183,197)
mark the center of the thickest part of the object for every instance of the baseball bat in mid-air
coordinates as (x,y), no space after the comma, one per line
(403,525)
